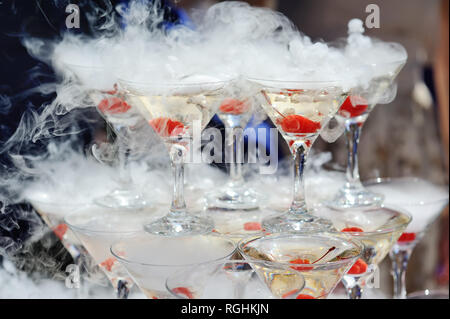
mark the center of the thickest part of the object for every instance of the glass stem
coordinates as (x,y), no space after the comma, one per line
(399,258)
(352,286)
(352,132)
(178,208)
(300,152)
(122,289)
(122,150)
(354,291)
(234,143)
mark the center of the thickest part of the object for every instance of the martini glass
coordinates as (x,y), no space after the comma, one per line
(322,259)
(299,110)
(239,224)
(236,279)
(52,214)
(353,114)
(97,228)
(122,118)
(176,111)
(377,229)
(151,259)
(424,201)
(235,113)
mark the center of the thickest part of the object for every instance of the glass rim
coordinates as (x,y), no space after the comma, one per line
(174,84)
(82,229)
(400,62)
(86,66)
(339,45)
(386,230)
(356,243)
(381,180)
(127,261)
(334,82)
(32,200)
(234,261)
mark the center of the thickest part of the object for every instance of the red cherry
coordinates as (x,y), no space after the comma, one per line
(359,267)
(60,230)
(113,91)
(307,143)
(290,92)
(352,230)
(294,90)
(407,237)
(289,293)
(349,109)
(303,296)
(166,127)
(113,105)
(302,262)
(233,106)
(108,263)
(298,124)
(183,291)
(252,226)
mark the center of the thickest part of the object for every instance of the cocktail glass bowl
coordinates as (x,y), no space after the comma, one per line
(236,279)
(151,259)
(424,201)
(299,109)
(177,111)
(377,229)
(352,114)
(322,259)
(97,228)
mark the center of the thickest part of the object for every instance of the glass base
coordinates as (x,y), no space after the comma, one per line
(186,225)
(122,199)
(291,222)
(233,199)
(355,198)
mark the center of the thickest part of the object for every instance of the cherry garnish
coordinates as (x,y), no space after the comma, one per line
(183,291)
(306,261)
(252,226)
(359,267)
(60,230)
(108,263)
(407,237)
(165,126)
(302,262)
(352,230)
(233,106)
(329,251)
(289,293)
(298,124)
(113,105)
(307,143)
(304,296)
(349,109)
(113,91)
